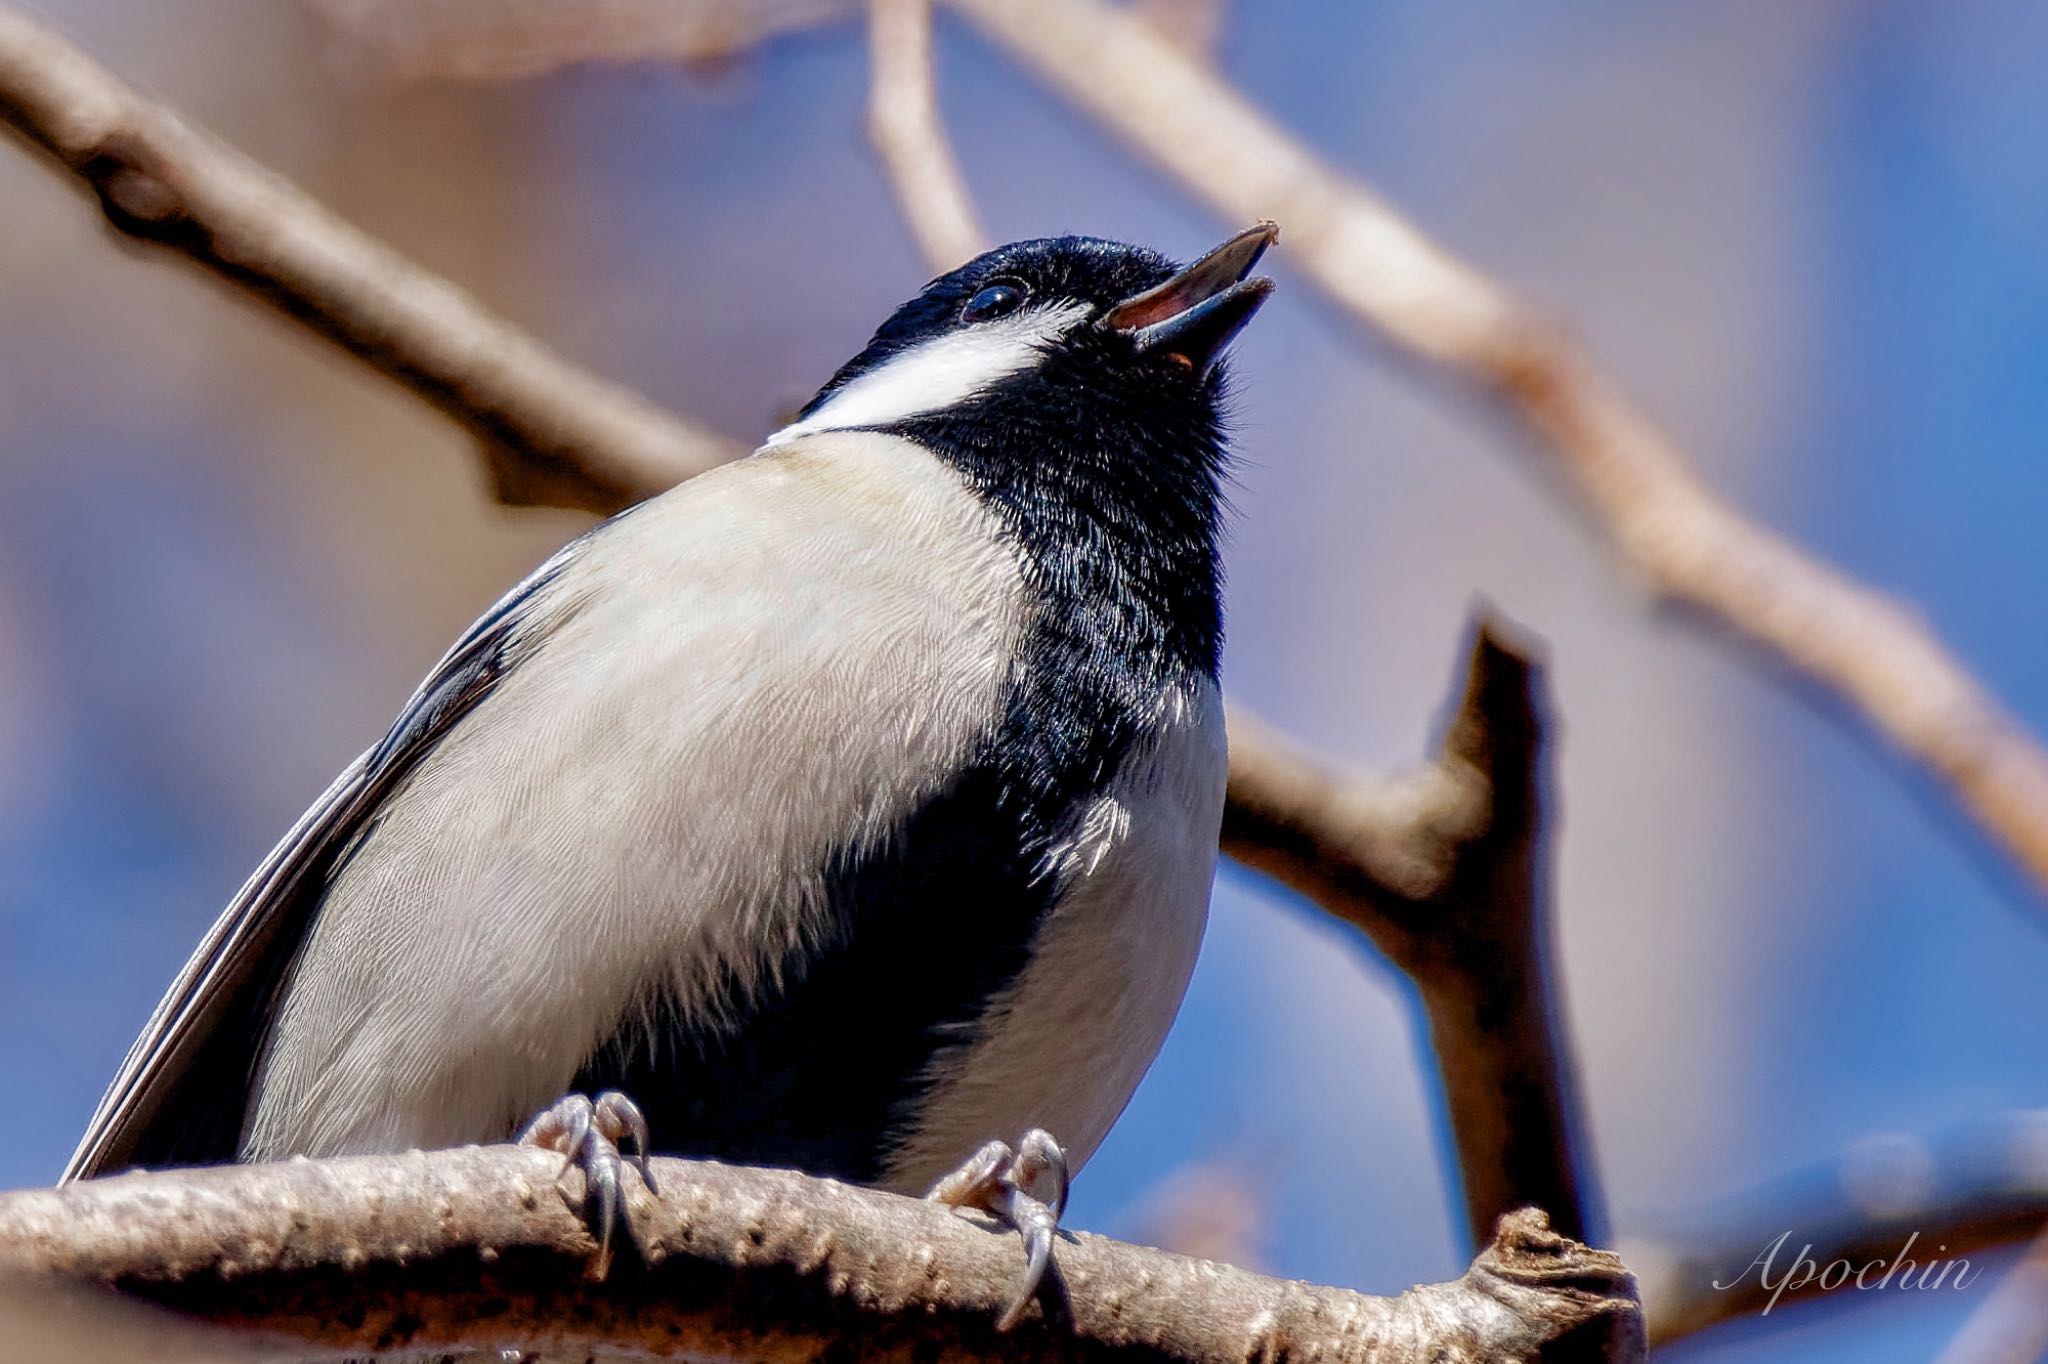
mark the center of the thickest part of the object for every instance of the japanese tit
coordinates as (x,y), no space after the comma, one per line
(841,809)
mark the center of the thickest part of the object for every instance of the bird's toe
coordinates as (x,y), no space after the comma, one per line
(1025,1188)
(587,1134)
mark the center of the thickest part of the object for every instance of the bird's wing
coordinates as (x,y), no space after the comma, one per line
(629,781)
(765,671)
(181,1094)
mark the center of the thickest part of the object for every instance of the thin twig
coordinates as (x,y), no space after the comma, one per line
(555,433)
(1689,544)
(486,40)
(904,125)
(1446,872)
(1904,1203)
(478,1249)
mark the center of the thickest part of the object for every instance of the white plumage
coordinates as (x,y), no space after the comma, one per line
(1065,1046)
(939,373)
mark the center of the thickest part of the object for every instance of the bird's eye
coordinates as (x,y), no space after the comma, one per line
(993,301)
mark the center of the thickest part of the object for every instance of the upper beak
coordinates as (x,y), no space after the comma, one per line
(1192,317)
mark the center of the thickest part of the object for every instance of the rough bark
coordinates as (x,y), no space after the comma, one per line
(479,1248)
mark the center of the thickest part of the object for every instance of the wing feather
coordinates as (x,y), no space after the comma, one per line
(182,1092)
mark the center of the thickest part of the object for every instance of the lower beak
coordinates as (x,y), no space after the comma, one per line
(1190,318)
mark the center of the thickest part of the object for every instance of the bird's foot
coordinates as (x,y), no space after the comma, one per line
(1025,1188)
(588,1134)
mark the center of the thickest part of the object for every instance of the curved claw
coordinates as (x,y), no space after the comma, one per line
(587,1134)
(622,1114)
(603,1168)
(1025,1188)
(1039,1225)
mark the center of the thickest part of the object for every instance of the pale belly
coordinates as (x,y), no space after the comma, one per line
(1066,1044)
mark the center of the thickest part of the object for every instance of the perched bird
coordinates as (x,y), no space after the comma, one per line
(841,809)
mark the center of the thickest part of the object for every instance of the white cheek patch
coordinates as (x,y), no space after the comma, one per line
(940,372)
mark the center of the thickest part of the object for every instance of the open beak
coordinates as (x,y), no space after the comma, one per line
(1190,318)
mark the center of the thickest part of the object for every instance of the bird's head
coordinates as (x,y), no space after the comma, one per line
(1049,341)
(1073,383)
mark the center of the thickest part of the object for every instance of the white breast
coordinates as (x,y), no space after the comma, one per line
(1067,1043)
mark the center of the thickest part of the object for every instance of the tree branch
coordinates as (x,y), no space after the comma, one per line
(555,434)
(1447,873)
(487,40)
(1917,1199)
(904,125)
(476,1249)
(1690,545)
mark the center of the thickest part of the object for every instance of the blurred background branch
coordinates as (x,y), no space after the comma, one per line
(554,433)
(904,125)
(1889,1198)
(1448,873)
(508,39)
